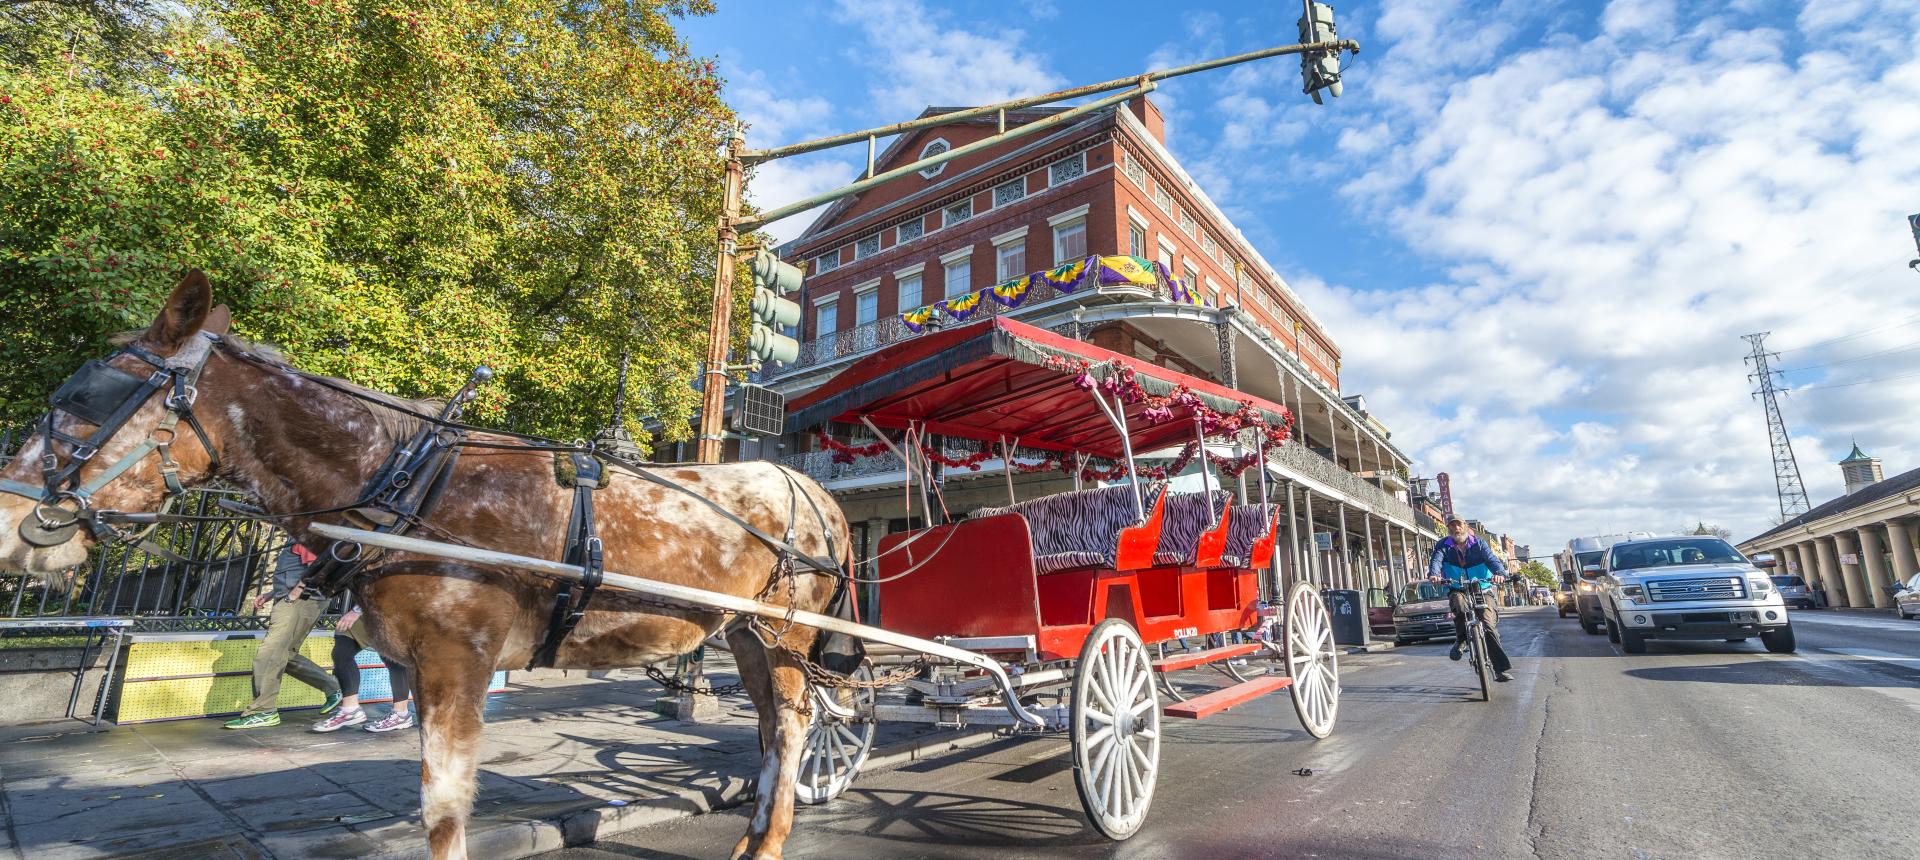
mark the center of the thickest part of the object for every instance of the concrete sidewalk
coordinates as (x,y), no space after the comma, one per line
(565,758)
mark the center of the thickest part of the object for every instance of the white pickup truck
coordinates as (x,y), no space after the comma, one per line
(1689,588)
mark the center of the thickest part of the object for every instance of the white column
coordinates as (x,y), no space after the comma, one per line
(1875,566)
(1900,542)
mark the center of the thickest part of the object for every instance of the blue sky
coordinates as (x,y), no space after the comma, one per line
(1536,229)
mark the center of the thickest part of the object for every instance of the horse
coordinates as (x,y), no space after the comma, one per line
(302,443)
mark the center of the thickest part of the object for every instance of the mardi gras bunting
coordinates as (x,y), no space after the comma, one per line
(917,318)
(962,306)
(1012,293)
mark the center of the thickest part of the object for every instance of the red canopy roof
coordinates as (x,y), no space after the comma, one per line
(990,379)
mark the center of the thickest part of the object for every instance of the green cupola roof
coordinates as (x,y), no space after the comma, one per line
(1858,456)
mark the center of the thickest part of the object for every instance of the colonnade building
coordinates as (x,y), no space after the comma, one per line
(1856,546)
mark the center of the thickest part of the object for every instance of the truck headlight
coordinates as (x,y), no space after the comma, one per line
(1586,586)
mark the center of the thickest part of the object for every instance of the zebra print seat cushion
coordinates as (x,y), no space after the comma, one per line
(1250,524)
(1080,528)
(1184,519)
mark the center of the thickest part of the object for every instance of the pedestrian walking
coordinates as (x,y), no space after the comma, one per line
(291,621)
(346,670)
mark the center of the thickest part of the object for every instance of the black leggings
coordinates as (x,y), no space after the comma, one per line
(347,670)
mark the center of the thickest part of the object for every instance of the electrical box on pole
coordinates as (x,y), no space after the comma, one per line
(1319,70)
(773,314)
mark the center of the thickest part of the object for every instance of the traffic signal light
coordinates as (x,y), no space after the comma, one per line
(1319,69)
(772,314)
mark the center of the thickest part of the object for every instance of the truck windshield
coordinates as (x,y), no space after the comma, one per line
(1667,553)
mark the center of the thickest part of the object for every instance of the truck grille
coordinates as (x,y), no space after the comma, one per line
(1719,588)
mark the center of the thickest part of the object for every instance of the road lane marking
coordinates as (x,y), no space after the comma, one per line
(1874,654)
(1855,621)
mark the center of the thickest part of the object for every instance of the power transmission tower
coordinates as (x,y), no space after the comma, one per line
(1786,469)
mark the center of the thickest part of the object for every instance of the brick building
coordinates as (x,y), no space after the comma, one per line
(1101,186)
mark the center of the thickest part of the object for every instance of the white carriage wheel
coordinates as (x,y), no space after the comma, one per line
(1116,729)
(836,747)
(1312,660)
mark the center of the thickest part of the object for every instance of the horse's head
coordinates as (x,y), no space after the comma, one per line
(120,434)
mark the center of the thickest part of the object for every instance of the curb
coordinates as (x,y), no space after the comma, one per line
(585,826)
(1369,648)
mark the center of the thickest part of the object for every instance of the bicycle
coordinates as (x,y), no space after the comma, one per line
(1476,645)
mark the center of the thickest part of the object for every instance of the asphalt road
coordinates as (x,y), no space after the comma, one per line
(1693,750)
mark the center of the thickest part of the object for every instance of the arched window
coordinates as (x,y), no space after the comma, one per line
(934,147)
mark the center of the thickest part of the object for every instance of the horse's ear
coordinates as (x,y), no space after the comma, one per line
(219,320)
(184,314)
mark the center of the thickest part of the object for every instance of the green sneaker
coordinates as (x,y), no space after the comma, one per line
(262,720)
(333,701)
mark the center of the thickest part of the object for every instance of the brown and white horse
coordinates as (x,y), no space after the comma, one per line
(302,446)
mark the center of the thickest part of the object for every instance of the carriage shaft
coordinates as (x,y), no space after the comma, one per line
(694,598)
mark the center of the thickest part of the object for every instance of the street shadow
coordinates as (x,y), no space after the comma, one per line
(1774,674)
(937,818)
(1400,694)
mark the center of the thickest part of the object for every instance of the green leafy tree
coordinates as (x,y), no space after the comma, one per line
(392,192)
(1539,574)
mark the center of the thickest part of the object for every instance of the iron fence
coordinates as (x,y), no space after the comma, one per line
(224,561)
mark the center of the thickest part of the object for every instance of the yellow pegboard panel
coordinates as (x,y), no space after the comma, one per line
(146,701)
(178,658)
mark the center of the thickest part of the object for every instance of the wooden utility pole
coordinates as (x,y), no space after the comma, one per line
(713,392)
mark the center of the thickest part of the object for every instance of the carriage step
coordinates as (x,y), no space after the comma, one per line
(1219,700)
(1187,661)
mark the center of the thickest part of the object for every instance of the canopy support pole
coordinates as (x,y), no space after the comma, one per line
(1126,447)
(1206,473)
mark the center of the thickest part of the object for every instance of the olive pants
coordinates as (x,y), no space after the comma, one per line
(287,630)
(1489,619)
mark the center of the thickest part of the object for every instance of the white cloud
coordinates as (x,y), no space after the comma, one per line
(922,57)
(1614,203)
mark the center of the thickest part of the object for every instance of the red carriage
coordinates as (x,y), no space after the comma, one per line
(1097,593)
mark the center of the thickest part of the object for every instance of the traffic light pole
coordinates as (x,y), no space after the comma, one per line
(713,389)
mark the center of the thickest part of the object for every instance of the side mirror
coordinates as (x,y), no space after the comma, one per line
(1590,571)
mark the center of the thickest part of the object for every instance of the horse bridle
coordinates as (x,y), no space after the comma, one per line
(107,397)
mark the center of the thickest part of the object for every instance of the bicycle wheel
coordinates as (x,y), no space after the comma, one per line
(1481,665)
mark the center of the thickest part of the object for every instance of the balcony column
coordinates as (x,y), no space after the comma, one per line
(1875,566)
(1373,572)
(1295,573)
(1346,551)
(1312,547)
(1828,563)
(1393,561)
(1846,544)
(1229,373)
(1900,543)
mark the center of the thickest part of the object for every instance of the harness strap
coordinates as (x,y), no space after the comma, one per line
(583,548)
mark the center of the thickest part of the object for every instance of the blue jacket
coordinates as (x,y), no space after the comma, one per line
(1458,564)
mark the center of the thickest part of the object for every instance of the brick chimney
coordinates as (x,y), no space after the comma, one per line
(1149,115)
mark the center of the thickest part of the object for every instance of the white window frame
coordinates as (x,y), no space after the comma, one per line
(917,272)
(1019,186)
(1137,221)
(859,247)
(935,170)
(820,264)
(900,238)
(862,292)
(1075,217)
(1016,237)
(1213,289)
(824,308)
(1168,251)
(1079,157)
(946,212)
(947,263)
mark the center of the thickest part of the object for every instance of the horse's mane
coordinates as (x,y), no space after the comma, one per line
(400,420)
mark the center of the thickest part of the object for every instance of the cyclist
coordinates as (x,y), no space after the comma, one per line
(1460,558)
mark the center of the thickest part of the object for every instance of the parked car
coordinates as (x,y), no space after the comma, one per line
(1697,588)
(1906,598)
(1380,612)
(1793,590)
(1421,614)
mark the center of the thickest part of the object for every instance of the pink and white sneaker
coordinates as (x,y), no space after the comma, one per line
(392,722)
(341,719)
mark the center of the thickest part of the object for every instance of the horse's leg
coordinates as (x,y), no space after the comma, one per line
(778,688)
(450,690)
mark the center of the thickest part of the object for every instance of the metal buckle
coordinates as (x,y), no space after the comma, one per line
(83,453)
(53,503)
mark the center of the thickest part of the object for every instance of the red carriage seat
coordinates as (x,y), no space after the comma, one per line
(1249,532)
(1188,516)
(1079,528)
